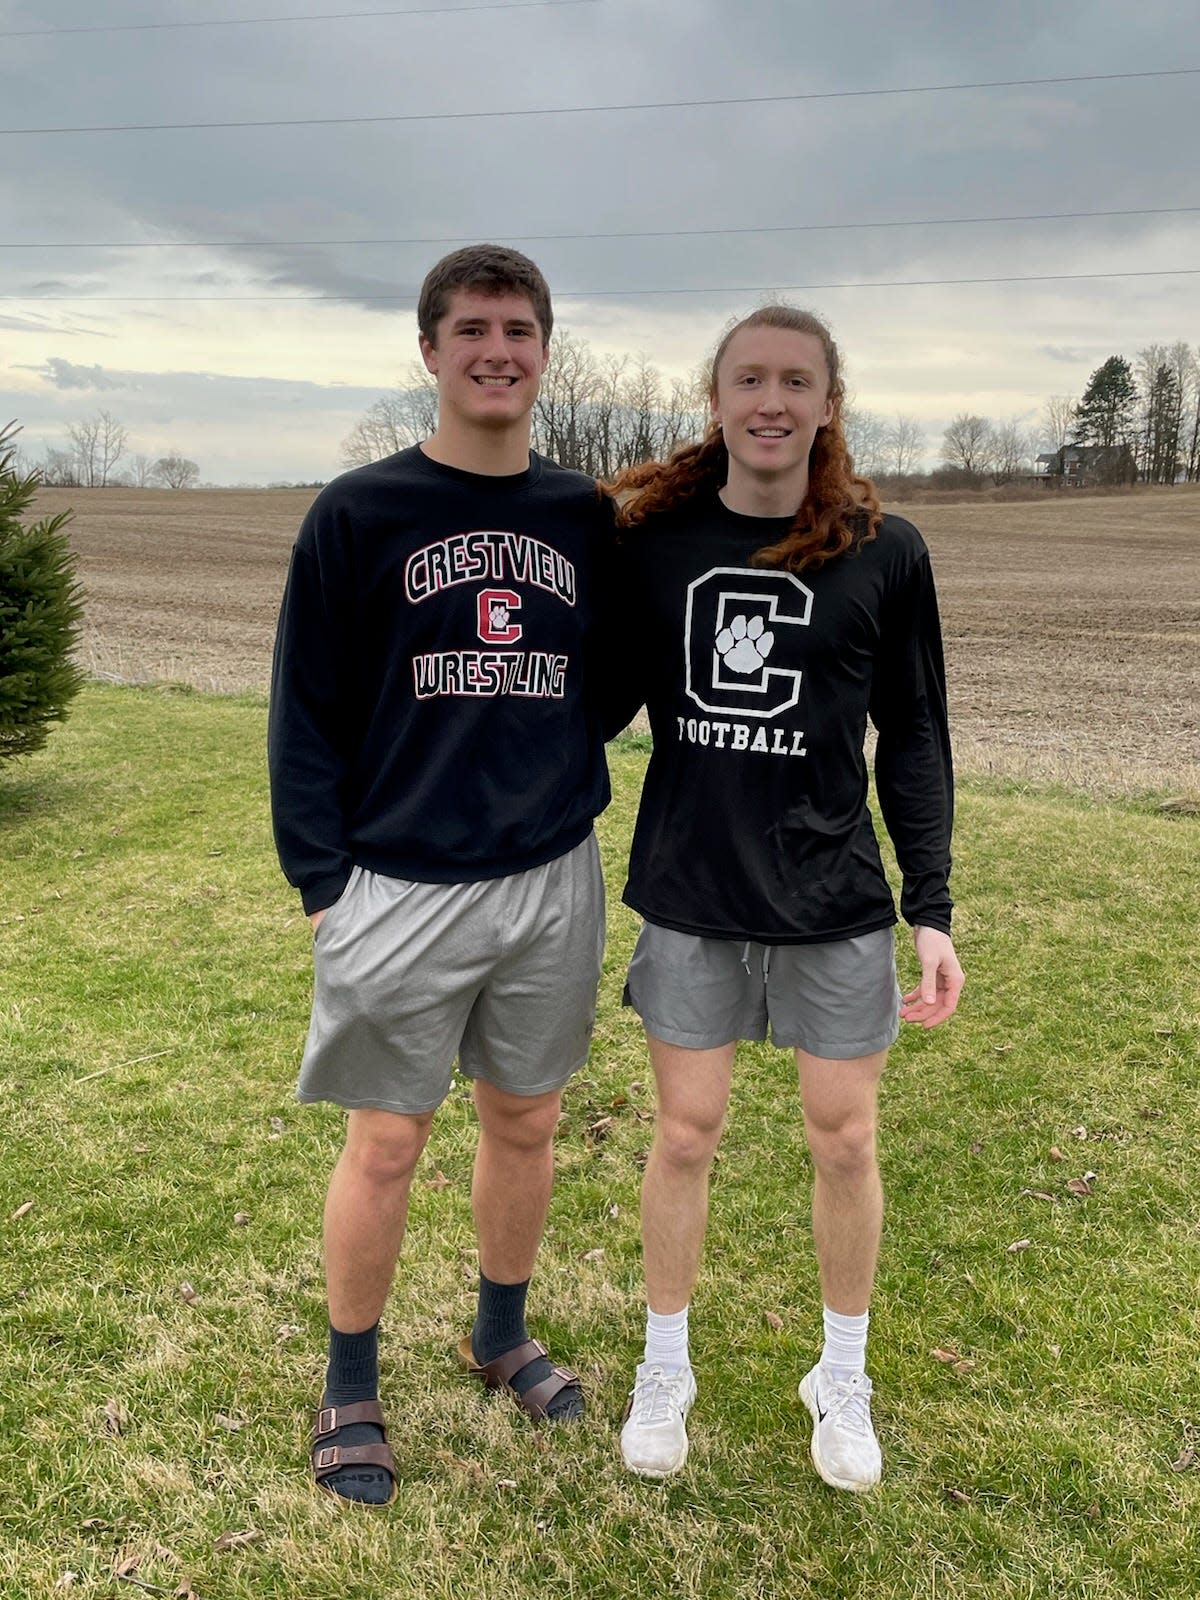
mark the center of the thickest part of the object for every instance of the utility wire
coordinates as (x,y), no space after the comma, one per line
(543,238)
(594,294)
(641,105)
(314,16)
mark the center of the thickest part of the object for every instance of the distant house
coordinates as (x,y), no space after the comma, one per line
(1084,466)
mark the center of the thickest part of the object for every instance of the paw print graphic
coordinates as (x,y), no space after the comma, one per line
(743,645)
(498,615)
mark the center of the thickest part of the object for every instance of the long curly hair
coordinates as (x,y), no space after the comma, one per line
(840,509)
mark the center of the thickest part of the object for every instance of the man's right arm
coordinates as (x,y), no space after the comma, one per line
(307,725)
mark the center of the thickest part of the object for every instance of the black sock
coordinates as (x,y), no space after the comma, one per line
(352,1375)
(500,1326)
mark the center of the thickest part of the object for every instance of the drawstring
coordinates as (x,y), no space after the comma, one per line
(766,959)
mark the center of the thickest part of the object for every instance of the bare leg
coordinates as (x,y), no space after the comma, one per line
(514,1173)
(693,1092)
(366,1210)
(847,1209)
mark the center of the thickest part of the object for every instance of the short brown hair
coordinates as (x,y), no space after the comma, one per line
(488,269)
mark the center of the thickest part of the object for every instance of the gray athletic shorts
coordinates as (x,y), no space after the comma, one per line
(502,974)
(837,1000)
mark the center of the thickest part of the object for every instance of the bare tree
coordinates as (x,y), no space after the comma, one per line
(969,443)
(903,445)
(395,421)
(141,471)
(99,443)
(640,405)
(59,468)
(175,472)
(1011,450)
(568,386)
(865,433)
(1056,424)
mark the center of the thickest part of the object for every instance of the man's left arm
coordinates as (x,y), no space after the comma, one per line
(914,779)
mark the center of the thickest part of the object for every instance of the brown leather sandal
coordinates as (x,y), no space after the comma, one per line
(498,1374)
(330,1458)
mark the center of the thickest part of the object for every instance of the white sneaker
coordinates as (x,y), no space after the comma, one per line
(845,1450)
(654,1439)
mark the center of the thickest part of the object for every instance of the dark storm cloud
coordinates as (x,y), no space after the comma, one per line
(894,159)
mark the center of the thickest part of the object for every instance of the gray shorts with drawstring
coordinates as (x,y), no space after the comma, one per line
(838,1000)
(501,974)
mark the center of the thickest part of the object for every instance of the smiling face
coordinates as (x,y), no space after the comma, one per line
(488,358)
(770,396)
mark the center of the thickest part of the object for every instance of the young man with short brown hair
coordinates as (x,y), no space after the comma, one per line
(436,767)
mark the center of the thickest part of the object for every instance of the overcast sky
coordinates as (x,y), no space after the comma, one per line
(265,387)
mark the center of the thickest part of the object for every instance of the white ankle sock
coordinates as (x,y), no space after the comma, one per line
(667,1340)
(845,1351)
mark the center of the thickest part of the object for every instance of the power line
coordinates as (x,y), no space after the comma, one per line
(315,16)
(641,105)
(595,294)
(544,238)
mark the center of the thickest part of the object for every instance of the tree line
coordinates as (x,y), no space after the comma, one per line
(1140,421)
(597,415)
(92,456)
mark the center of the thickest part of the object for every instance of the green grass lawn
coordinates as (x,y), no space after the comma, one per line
(154,983)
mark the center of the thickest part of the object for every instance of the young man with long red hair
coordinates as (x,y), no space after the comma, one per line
(778,609)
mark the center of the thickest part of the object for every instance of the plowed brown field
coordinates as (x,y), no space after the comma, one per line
(1072,624)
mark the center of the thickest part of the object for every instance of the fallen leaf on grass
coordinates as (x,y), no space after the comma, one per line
(617,1101)
(600,1129)
(1187,1457)
(593,1255)
(1149,1113)
(1018,1245)
(774,1320)
(185,1592)
(958,1496)
(286,1331)
(127,1565)
(1056,1154)
(1081,1186)
(473,1469)
(66,1580)
(94,1525)
(241,1219)
(506,1483)
(114,1419)
(946,1356)
(230,1541)
(614,1211)
(1001,1048)
(230,1424)
(22,1211)
(187,1293)
(1039,1194)
(1079,1133)
(438,1181)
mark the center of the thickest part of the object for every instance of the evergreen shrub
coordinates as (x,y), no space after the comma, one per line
(41,604)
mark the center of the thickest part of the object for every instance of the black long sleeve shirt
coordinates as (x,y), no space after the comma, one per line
(430,715)
(754,821)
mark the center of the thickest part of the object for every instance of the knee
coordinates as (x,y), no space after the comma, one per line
(687,1142)
(844,1151)
(389,1155)
(526,1127)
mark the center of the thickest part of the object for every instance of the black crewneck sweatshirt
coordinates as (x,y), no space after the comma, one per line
(431,706)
